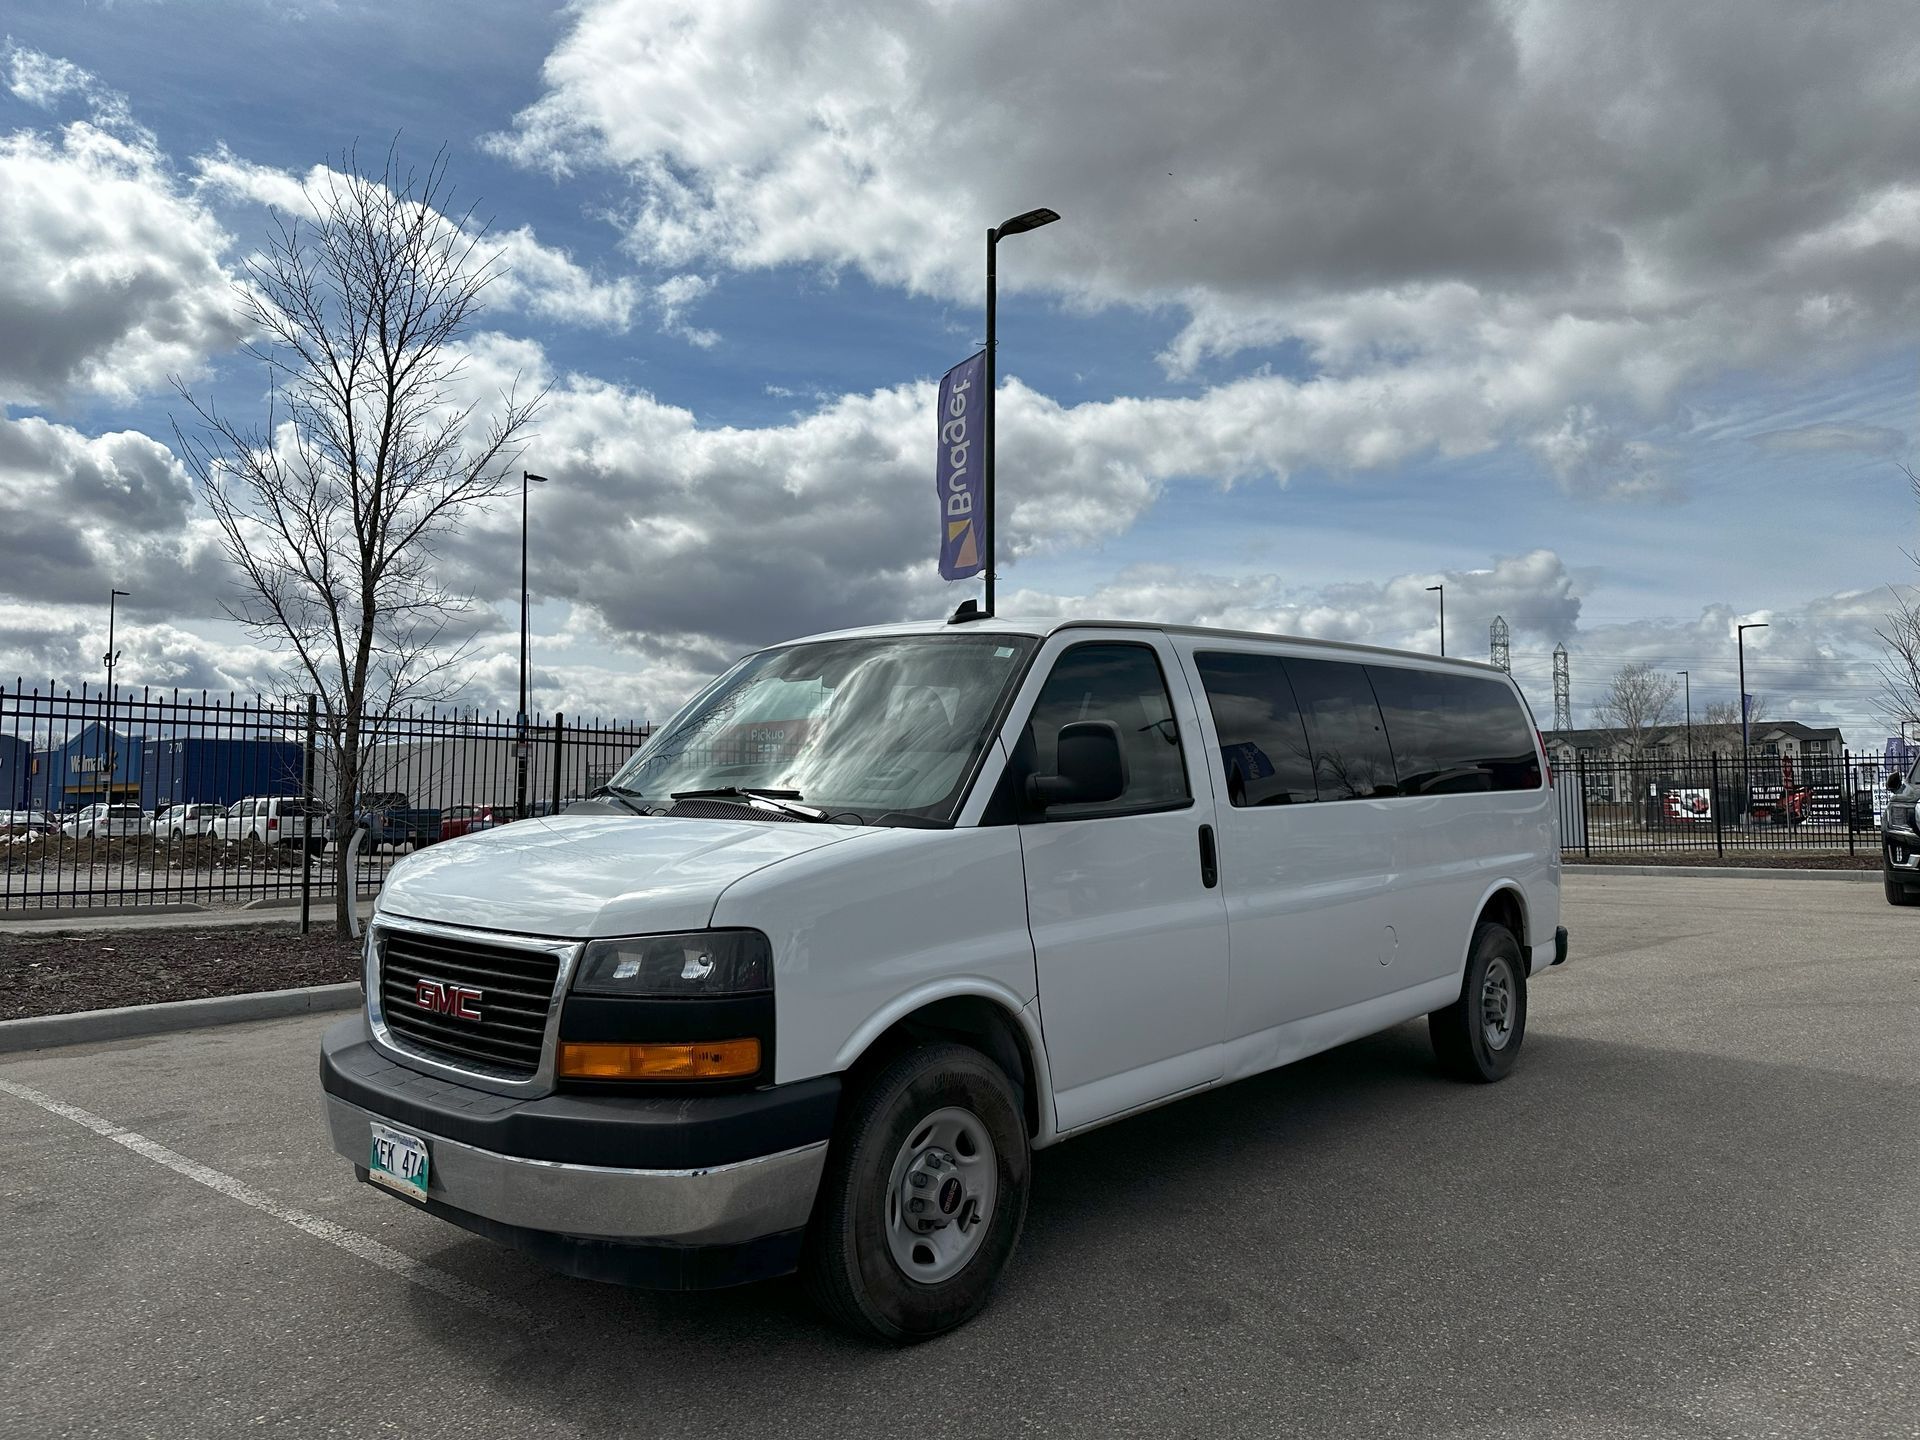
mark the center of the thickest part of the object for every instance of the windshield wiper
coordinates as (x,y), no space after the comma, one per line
(777,799)
(622,795)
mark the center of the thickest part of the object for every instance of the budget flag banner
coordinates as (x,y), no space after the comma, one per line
(959,470)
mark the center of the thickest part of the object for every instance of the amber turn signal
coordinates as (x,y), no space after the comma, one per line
(708,1060)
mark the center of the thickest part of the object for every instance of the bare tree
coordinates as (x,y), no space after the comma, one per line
(1899,666)
(1639,701)
(333,508)
(1717,732)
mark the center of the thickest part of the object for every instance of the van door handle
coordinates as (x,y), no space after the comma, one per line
(1209,862)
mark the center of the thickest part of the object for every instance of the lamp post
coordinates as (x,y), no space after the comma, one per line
(520,719)
(1443,616)
(112,655)
(1746,759)
(1018,225)
(1740,640)
(1689,683)
(106,733)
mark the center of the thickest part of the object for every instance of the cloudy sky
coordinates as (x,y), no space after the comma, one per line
(1601,316)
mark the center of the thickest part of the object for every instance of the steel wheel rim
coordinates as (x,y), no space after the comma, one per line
(948,1164)
(1499,1003)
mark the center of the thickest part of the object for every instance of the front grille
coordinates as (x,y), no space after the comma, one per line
(516,991)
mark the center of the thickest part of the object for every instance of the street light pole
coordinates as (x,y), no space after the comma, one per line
(1746,758)
(1443,617)
(520,719)
(1740,640)
(106,731)
(1018,225)
(113,600)
(1689,681)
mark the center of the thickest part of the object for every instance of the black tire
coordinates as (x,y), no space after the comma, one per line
(1897,893)
(1459,1032)
(848,1265)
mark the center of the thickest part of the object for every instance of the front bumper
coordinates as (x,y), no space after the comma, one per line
(1900,849)
(721,1193)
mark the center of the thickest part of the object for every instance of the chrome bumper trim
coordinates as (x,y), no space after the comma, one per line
(724,1205)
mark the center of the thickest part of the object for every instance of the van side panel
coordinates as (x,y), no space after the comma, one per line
(1349,915)
(897,913)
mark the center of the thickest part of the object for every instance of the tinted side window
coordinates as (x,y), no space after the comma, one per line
(1351,758)
(1454,733)
(1263,744)
(1121,683)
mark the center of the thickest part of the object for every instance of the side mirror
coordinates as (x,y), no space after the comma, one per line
(1090,767)
(1893,780)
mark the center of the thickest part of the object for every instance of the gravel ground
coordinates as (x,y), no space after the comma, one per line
(58,974)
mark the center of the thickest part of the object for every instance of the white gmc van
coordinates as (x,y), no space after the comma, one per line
(878,914)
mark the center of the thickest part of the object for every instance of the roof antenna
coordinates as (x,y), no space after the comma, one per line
(968,609)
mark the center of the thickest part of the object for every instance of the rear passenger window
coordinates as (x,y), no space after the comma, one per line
(1121,683)
(1263,744)
(1454,733)
(1351,760)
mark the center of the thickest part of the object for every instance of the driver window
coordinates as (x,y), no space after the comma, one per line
(1121,683)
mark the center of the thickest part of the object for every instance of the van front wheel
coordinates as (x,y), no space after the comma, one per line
(1478,1037)
(923,1197)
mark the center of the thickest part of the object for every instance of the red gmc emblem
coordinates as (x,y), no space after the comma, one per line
(460,1001)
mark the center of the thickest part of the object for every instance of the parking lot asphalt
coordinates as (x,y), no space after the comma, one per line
(1692,1211)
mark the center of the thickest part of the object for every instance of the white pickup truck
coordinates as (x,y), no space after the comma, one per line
(273,820)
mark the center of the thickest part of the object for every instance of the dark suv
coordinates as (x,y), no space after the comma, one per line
(1900,840)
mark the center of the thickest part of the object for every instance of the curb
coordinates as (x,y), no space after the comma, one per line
(82,912)
(40,1032)
(1722,872)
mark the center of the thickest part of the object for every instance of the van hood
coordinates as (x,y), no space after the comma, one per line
(584,876)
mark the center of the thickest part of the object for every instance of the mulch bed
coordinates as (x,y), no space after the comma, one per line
(58,974)
(1867,859)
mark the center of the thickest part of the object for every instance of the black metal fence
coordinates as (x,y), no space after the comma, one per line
(1721,805)
(154,798)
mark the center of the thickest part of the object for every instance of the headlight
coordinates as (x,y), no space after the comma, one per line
(1900,815)
(700,965)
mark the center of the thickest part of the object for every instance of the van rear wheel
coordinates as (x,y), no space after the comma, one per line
(1478,1037)
(923,1198)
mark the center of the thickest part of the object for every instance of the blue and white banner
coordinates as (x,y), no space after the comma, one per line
(959,473)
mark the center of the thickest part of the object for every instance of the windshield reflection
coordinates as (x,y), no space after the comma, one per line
(865,729)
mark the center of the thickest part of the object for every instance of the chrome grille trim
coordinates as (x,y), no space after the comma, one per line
(477,1063)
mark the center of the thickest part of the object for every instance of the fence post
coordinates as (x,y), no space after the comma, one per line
(559,755)
(1586,820)
(1846,797)
(1719,811)
(306,797)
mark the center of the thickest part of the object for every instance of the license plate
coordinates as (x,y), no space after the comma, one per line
(399,1162)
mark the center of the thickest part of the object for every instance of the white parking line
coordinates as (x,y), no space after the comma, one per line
(354,1243)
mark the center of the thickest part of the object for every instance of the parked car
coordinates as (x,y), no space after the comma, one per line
(183,822)
(273,820)
(27,822)
(390,820)
(458,820)
(107,822)
(1900,839)
(809,997)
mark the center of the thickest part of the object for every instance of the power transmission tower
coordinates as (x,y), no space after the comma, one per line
(1562,690)
(1502,652)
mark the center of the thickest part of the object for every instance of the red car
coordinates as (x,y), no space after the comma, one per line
(458,820)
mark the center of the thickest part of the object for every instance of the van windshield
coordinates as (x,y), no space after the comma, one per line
(880,729)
